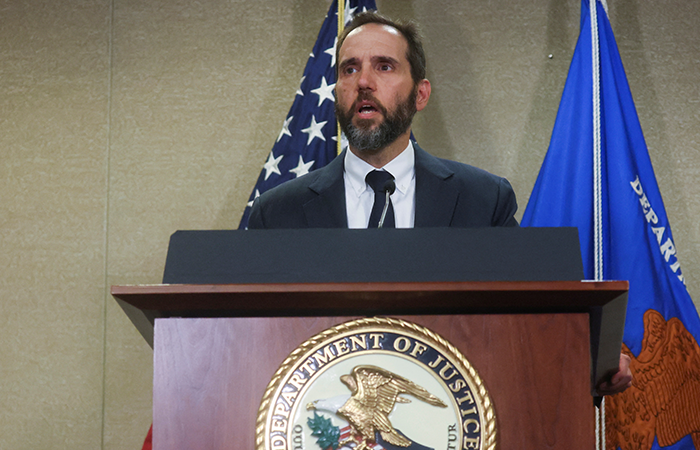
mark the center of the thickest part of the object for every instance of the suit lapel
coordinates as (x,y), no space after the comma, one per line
(327,210)
(436,200)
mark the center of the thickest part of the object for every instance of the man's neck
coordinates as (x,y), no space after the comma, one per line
(383,156)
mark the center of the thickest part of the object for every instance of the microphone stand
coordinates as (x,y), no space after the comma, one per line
(389,188)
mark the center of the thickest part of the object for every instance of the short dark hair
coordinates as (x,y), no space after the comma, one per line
(409,30)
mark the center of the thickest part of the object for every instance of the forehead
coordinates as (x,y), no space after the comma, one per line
(374,39)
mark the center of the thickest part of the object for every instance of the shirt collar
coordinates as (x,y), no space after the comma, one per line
(402,168)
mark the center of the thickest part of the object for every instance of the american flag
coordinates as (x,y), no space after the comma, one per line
(307,140)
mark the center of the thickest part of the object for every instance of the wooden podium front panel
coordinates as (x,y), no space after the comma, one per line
(210,375)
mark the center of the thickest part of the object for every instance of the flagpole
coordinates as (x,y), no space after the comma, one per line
(597,163)
(341,26)
(597,188)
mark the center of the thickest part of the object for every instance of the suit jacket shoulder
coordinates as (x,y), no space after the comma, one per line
(315,200)
(454,194)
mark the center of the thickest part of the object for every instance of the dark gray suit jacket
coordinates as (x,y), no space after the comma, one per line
(448,194)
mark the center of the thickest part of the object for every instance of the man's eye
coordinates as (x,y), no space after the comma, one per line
(385,67)
(350,70)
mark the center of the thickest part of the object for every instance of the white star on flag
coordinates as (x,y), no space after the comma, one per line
(271,165)
(299,91)
(314,130)
(324,91)
(331,51)
(302,168)
(257,194)
(349,12)
(285,128)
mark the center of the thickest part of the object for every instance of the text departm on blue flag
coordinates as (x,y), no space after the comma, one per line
(307,139)
(633,241)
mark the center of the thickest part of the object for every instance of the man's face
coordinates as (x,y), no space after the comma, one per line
(375,94)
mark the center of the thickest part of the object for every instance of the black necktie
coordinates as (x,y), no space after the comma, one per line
(376,179)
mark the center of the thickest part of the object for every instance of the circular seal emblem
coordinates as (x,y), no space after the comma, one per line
(376,383)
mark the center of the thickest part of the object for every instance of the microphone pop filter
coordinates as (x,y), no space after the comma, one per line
(390,186)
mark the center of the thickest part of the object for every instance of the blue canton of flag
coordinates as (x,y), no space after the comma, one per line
(307,140)
(625,235)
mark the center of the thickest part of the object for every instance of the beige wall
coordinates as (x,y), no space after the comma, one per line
(122,121)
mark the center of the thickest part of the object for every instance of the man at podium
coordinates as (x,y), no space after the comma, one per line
(386,179)
(381,85)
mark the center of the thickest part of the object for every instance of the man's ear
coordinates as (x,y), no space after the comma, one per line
(422,94)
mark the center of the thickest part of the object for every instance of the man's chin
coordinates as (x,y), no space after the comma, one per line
(367,125)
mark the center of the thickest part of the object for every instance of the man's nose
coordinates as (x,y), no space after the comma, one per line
(366,79)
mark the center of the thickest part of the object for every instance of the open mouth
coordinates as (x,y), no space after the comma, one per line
(366,109)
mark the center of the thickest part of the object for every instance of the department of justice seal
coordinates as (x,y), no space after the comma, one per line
(376,383)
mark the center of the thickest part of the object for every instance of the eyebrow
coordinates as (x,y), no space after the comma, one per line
(374,59)
(347,62)
(387,59)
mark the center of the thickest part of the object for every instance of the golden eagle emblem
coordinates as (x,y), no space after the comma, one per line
(375,392)
(664,399)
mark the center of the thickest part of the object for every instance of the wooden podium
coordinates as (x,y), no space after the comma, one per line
(538,346)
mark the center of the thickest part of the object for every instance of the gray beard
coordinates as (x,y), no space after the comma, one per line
(371,141)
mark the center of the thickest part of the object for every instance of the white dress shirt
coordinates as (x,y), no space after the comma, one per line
(359,196)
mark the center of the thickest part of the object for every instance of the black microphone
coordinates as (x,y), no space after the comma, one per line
(389,188)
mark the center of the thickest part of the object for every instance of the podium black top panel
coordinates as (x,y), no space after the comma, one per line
(377,255)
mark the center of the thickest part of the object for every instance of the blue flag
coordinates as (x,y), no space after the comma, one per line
(307,140)
(597,176)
